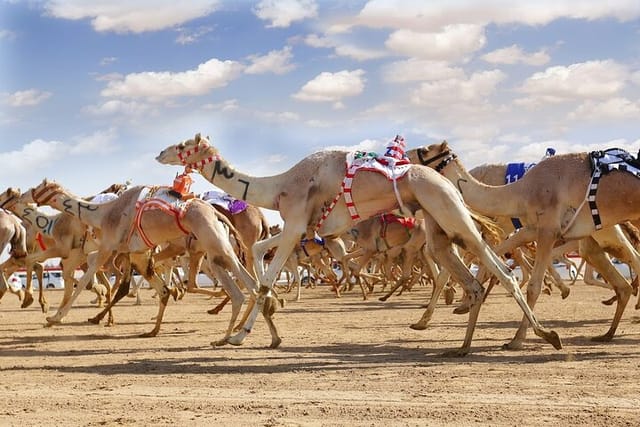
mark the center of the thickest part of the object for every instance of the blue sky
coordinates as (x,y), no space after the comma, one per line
(91,91)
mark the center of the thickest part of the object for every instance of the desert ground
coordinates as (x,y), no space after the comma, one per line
(342,362)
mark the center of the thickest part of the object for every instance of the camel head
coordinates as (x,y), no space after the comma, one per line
(194,152)
(9,197)
(45,191)
(435,155)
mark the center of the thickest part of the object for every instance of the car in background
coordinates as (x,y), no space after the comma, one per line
(52,279)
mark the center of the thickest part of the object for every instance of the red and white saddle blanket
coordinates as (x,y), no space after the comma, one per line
(391,167)
(158,198)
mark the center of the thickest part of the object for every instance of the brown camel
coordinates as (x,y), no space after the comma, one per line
(550,199)
(304,194)
(127,229)
(13,233)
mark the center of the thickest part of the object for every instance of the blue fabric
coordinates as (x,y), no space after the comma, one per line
(515,171)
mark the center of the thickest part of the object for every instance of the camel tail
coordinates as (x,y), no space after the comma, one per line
(242,248)
(632,232)
(489,229)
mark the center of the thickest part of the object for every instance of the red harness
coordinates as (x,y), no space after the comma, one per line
(152,204)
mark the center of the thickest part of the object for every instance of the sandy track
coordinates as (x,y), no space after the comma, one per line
(342,362)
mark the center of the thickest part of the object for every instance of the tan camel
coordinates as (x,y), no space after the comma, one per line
(126,229)
(310,254)
(550,199)
(50,236)
(391,235)
(301,193)
(12,233)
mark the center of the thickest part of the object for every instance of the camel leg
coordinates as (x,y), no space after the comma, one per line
(543,259)
(286,243)
(95,260)
(237,299)
(593,254)
(163,300)
(441,280)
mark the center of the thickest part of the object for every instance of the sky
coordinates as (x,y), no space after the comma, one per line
(91,91)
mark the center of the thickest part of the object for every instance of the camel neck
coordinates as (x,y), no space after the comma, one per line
(88,213)
(482,198)
(258,191)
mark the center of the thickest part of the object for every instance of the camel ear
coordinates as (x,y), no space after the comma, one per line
(444,144)
(198,137)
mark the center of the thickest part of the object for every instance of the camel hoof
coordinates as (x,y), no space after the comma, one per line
(449,294)
(565,293)
(94,320)
(552,338)
(214,310)
(461,309)
(44,306)
(602,338)
(610,301)
(275,343)
(27,301)
(234,342)
(418,326)
(637,307)
(53,321)
(219,343)
(460,352)
(383,299)
(513,346)
(149,334)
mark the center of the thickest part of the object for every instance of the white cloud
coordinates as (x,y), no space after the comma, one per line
(281,13)
(108,60)
(225,106)
(332,87)
(514,55)
(276,61)
(27,98)
(118,107)
(359,53)
(123,16)
(592,79)
(421,15)
(343,49)
(635,78)
(315,40)
(415,69)
(364,145)
(189,36)
(161,85)
(611,109)
(7,35)
(100,142)
(474,90)
(453,43)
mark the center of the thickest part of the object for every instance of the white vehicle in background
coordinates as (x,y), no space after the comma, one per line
(52,279)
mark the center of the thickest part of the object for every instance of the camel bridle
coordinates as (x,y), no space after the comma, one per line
(185,155)
(446,156)
(38,196)
(10,202)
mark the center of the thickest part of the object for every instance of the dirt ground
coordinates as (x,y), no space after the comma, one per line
(342,362)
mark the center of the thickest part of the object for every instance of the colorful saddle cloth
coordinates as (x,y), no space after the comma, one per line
(224,200)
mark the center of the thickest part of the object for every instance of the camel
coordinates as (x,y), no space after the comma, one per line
(306,197)
(13,233)
(50,236)
(125,229)
(551,200)
(391,235)
(312,254)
